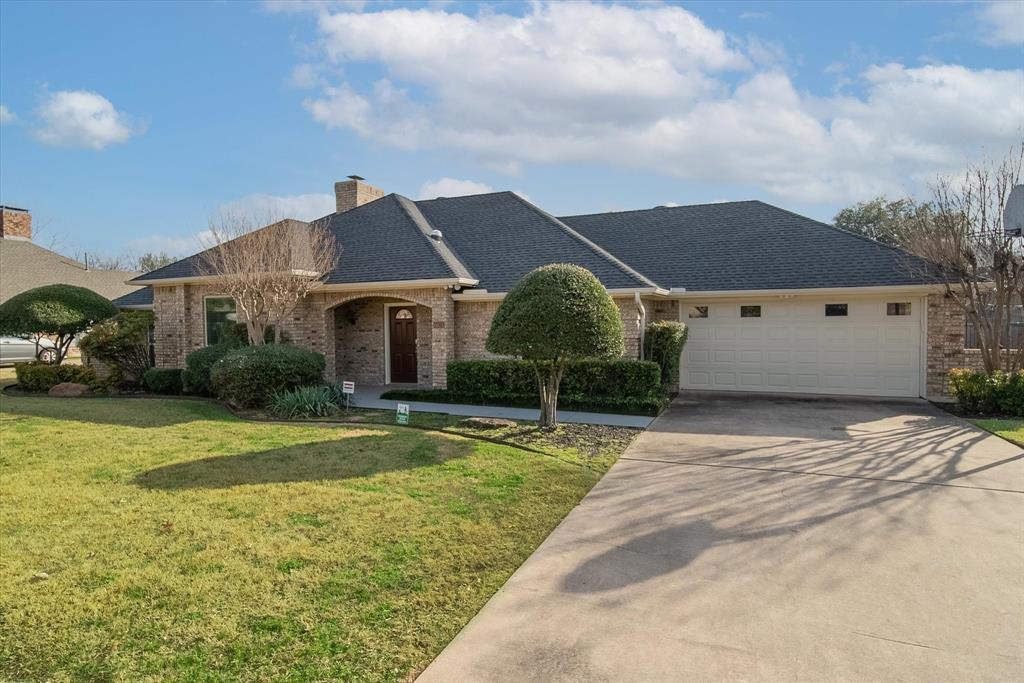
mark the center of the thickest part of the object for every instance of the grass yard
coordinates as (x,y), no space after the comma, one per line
(166,539)
(1011,430)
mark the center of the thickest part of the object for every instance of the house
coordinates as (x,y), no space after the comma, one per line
(25,265)
(775,302)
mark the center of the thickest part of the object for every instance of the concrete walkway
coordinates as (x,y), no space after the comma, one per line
(774,540)
(369,397)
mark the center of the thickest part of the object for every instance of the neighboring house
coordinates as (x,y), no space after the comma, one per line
(25,265)
(775,301)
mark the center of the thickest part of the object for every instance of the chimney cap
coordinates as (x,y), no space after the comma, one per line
(357,177)
(12,208)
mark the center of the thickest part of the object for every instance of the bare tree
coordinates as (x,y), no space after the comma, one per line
(979,265)
(266,270)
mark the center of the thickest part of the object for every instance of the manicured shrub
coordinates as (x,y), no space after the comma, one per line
(59,312)
(196,376)
(250,376)
(1011,398)
(121,342)
(556,314)
(163,380)
(38,376)
(981,393)
(312,401)
(663,344)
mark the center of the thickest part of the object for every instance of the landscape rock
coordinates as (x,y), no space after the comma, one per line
(486,423)
(70,389)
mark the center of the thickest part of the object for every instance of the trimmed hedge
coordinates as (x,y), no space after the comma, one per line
(163,380)
(977,392)
(663,344)
(611,386)
(250,376)
(195,378)
(584,378)
(38,376)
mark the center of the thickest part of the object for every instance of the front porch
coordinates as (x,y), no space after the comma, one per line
(401,338)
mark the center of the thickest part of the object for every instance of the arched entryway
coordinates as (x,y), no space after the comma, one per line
(382,340)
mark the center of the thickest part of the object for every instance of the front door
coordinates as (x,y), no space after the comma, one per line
(402,322)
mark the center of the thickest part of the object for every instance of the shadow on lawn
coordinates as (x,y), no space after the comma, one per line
(362,454)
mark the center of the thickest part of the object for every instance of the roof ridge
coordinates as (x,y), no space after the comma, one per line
(662,208)
(459,196)
(443,250)
(598,249)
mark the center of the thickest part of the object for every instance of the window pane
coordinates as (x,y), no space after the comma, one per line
(698,311)
(403,314)
(900,308)
(750,311)
(220,312)
(835,310)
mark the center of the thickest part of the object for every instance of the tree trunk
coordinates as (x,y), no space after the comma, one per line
(549,377)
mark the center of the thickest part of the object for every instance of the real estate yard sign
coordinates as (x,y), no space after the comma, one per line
(402,414)
(348,388)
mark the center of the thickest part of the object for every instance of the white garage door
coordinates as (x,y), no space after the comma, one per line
(866,347)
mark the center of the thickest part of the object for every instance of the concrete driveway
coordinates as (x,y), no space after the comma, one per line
(767,539)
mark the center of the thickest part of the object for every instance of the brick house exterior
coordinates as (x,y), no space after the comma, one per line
(448,263)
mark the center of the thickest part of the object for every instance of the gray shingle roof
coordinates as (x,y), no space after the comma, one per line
(140,298)
(498,237)
(382,241)
(501,237)
(25,265)
(745,245)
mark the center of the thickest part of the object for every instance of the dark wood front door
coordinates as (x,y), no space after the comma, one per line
(402,322)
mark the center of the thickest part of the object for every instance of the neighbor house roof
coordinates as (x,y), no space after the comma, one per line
(25,265)
(745,246)
(489,241)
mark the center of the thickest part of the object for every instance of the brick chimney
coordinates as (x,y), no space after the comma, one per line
(15,222)
(348,194)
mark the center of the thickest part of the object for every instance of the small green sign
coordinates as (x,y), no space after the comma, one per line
(402,414)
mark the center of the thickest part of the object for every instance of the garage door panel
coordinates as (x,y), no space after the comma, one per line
(795,347)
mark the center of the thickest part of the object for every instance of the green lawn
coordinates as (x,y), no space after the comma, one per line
(166,539)
(1011,430)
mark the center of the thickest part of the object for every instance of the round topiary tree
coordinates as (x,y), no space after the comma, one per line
(56,311)
(556,314)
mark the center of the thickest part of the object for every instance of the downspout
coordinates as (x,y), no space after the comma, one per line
(643,322)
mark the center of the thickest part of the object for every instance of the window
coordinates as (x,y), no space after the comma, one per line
(698,311)
(403,314)
(750,311)
(220,313)
(900,308)
(835,310)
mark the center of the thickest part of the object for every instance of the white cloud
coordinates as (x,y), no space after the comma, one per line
(6,115)
(450,187)
(303,207)
(644,87)
(79,118)
(1002,22)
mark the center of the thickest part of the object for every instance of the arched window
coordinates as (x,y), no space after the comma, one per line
(403,314)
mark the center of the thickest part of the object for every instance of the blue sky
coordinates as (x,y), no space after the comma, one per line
(126,126)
